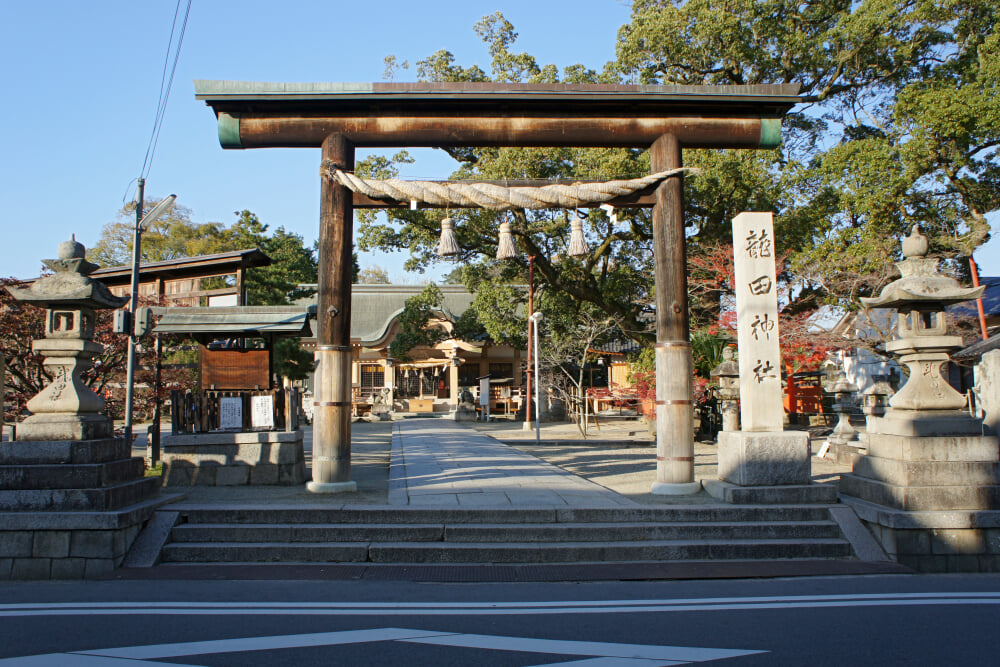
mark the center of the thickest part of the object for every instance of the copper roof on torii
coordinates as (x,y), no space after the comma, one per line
(248,92)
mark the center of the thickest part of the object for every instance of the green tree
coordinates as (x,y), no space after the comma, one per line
(900,124)
(173,235)
(292,263)
(415,323)
(373,275)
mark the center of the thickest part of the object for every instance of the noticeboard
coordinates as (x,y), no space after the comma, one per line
(231,413)
(262,412)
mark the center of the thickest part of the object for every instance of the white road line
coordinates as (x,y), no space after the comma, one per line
(559,647)
(77,660)
(262,643)
(505,609)
(518,605)
(602,654)
(613,662)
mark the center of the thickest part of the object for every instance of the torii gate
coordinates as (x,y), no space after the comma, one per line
(338,117)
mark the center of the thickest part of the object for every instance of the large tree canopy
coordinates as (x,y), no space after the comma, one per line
(900,124)
(176,235)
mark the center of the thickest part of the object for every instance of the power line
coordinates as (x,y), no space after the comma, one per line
(166,83)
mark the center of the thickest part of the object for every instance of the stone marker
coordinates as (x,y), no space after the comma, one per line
(757,323)
(761,454)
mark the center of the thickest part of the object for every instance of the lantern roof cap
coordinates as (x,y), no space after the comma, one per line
(920,283)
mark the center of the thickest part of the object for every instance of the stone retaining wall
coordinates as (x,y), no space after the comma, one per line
(234,459)
(69,545)
(945,541)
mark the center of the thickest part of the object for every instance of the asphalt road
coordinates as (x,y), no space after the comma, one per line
(874,620)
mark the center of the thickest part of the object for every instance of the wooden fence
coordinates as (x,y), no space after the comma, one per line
(204,411)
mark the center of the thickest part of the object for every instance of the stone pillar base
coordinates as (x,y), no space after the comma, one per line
(764,458)
(786,494)
(683,489)
(332,487)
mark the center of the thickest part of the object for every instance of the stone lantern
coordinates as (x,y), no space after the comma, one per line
(67,409)
(875,399)
(920,296)
(728,374)
(843,405)
(929,485)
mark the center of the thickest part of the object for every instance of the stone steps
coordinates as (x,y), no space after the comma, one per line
(502,532)
(100,499)
(325,514)
(501,552)
(311,534)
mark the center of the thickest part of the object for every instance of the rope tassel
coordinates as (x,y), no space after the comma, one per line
(577,244)
(505,247)
(448,246)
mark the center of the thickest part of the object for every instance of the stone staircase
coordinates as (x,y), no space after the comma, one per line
(205,535)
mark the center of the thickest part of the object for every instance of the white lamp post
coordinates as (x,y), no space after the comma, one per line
(141,225)
(535,319)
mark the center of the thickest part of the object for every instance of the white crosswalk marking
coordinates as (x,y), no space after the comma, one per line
(601,654)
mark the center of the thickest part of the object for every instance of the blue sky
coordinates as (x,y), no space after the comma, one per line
(82,81)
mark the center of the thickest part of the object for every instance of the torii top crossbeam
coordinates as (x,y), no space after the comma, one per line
(339,117)
(266,115)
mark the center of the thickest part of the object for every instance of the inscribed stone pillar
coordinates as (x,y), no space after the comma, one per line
(761,454)
(757,322)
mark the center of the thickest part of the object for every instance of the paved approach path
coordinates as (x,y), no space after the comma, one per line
(441,463)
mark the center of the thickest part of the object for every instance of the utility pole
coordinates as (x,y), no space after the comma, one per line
(132,307)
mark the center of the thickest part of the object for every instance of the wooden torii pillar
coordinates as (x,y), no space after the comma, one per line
(339,117)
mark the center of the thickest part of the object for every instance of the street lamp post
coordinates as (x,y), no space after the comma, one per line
(531,309)
(535,319)
(142,223)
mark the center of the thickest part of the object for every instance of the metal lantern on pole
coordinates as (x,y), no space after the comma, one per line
(535,319)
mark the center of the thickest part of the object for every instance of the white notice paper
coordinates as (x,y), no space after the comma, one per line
(231,413)
(262,411)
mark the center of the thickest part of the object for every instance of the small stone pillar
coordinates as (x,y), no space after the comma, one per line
(929,486)
(987,373)
(728,375)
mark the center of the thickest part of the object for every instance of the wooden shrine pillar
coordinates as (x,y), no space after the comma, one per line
(331,452)
(674,390)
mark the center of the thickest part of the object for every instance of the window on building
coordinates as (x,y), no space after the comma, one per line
(467,374)
(407,383)
(501,371)
(372,378)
